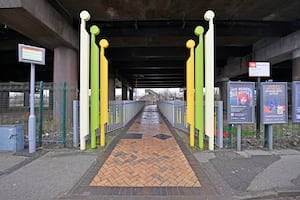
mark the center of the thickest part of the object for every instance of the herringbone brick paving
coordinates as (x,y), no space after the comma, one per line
(147,161)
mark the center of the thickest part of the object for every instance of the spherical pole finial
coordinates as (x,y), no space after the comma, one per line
(199,30)
(85,15)
(209,15)
(95,30)
(190,44)
(104,43)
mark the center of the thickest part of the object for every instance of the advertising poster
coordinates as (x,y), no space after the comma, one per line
(274,105)
(240,102)
(296,101)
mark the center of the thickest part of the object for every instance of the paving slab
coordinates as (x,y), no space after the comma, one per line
(8,160)
(204,157)
(277,175)
(46,177)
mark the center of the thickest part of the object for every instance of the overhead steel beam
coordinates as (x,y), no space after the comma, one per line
(158,28)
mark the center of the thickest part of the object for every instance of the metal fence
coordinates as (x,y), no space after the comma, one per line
(54,111)
(284,135)
(54,114)
(121,112)
(175,112)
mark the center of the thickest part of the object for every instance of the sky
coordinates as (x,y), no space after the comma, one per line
(141,91)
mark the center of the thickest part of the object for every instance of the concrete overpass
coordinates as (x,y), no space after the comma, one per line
(147,39)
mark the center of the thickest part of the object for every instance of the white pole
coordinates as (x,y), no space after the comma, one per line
(32,120)
(209,79)
(84,79)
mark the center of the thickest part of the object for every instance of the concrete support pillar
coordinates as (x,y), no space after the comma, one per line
(296,66)
(65,69)
(124,93)
(111,89)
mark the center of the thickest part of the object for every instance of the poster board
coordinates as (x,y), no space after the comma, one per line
(296,101)
(240,102)
(274,103)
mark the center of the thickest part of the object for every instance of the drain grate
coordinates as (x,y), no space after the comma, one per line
(162,136)
(133,136)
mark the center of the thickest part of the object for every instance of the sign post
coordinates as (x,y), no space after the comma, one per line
(32,55)
(258,69)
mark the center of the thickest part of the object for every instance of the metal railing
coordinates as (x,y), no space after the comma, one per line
(121,113)
(175,113)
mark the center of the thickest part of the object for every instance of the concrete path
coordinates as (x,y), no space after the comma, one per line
(253,174)
(281,174)
(44,178)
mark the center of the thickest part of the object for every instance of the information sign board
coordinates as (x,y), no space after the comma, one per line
(274,104)
(240,108)
(259,69)
(296,101)
(31,54)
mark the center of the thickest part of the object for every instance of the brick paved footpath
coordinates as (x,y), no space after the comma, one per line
(148,159)
(147,156)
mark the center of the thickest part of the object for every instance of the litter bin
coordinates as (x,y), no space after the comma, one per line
(11,137)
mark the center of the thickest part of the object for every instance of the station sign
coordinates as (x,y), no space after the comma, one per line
(31,54)
(259,69)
